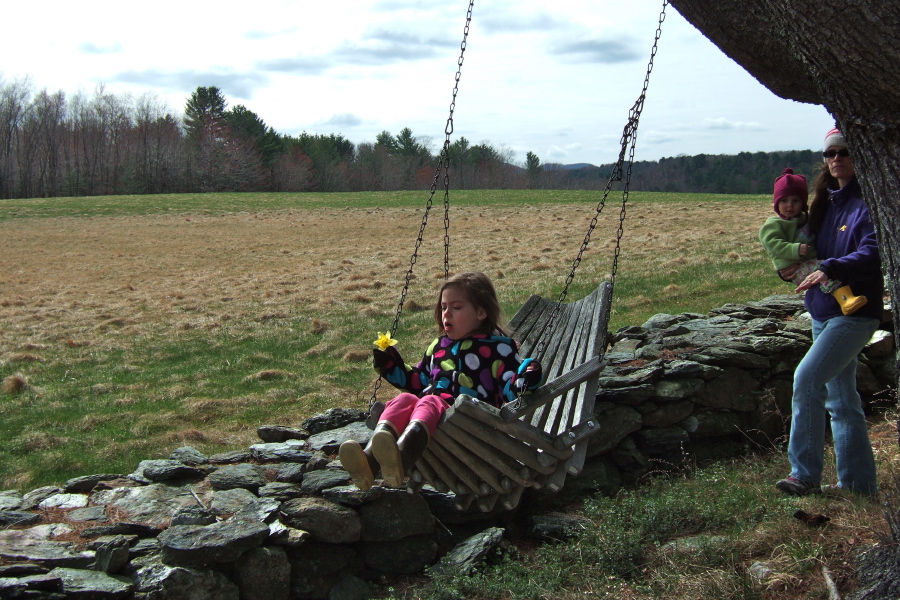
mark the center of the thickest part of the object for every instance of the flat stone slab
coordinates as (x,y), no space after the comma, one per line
(13,518)
(64,501)
(36,546)
(10,500)
(292,451)
(80,583)
(246,476)
(330,441)
(197,546)
(469,554)
(153,504)
(87,482)
(89,513)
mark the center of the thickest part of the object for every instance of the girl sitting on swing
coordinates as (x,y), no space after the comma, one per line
(472,355)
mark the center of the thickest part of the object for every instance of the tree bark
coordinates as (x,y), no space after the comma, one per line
(842,55)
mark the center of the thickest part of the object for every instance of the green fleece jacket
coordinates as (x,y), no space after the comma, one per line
(782,238)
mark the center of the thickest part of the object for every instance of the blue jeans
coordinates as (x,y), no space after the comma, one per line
(825,380)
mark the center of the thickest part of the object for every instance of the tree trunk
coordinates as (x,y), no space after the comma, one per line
(842,55)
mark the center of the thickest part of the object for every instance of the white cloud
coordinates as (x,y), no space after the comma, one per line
(240,84)
(341,120)
(92,48)
(600,51)
(723,123)
(556,154)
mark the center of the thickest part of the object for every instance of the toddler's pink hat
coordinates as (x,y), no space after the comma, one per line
(789,184)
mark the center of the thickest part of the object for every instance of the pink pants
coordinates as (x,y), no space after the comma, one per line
(407,407)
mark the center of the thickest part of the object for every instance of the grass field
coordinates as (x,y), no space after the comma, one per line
(143,323)
(130,326)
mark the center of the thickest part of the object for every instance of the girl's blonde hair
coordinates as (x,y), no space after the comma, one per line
(481,293)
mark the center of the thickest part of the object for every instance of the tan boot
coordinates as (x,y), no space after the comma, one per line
(850,303)
(397,457)
(384,447)
(359,463)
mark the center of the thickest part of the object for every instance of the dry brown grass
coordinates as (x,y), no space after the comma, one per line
(106,280)
(14,384)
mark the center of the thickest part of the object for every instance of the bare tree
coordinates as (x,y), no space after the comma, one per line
(841,55)
(115,114)
(43,133)
(292,172)
(89,145)
(153,148)
(147,111)
(53,108)
(243,170)
(368,171)
(15,97)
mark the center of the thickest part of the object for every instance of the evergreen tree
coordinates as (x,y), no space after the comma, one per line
(204,124)
(246,125)
(533,168)
(387,140)
(204,112)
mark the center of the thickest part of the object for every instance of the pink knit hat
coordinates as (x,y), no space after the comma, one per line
(789,184)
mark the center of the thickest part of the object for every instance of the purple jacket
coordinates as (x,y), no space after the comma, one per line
(847,247)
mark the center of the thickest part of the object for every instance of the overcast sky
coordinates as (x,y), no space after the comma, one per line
(556,79)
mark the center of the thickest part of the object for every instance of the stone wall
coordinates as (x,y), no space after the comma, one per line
(708,386)
(281,519)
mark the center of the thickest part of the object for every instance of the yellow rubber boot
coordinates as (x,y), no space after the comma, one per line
(850,303)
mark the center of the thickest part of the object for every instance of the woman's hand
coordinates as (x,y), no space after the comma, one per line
(814,278)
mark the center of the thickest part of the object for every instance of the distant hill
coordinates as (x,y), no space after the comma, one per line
(744,173)
(572,167)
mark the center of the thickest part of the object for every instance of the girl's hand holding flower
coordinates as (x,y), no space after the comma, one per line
(385,340)
(381,358)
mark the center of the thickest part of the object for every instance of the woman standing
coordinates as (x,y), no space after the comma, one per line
(825,380)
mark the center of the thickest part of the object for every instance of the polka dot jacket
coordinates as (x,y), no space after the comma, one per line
(486,367)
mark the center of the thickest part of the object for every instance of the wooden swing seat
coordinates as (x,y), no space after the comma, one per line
(485,455)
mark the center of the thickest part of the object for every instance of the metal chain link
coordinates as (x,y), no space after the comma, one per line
(628,142)
(443,166)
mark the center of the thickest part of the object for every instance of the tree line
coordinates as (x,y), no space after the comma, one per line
(743,173)
(54,144)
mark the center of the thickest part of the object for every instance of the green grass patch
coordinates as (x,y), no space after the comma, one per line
(690,535)
(225,203)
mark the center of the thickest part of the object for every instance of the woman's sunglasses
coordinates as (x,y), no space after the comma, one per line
(843,153)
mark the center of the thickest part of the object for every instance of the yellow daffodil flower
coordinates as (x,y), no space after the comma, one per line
(385,340)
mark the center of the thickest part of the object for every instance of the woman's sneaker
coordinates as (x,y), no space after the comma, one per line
(794,486)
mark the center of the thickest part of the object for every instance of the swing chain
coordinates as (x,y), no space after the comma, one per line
(443,167)
(444,162)
(627,145)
